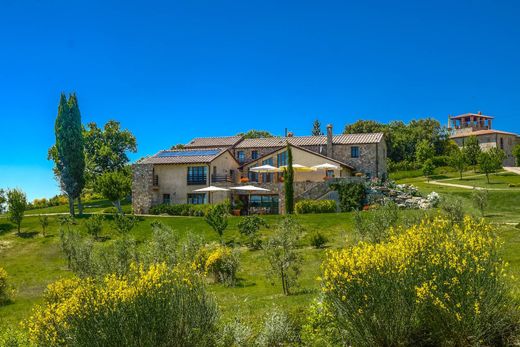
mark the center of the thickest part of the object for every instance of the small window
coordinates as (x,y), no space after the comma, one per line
(197,175)
(196,199)
(501,143)
(282,159)
(329,173)
(166,199)
(354,152)
(254,155)
(241,156)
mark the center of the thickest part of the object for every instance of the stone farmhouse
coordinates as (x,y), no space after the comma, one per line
(173,176)
(479,125)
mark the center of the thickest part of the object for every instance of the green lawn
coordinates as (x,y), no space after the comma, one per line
(34,261)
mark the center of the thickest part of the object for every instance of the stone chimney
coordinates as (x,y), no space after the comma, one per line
(329,140)
(290,134)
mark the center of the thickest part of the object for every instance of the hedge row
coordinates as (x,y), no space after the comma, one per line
(180,210)
(315,206)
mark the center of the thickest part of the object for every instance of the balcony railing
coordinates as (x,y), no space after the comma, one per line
(197,180)
(221,178)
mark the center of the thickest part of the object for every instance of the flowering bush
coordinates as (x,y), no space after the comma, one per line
(437,281)
(157,306)
(219,261)
(5,289)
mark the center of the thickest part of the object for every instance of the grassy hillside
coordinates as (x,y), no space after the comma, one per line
(34,261)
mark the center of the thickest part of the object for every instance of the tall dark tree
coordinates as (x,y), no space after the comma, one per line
(316,128)
(289,182)
(69,154)
(471,150)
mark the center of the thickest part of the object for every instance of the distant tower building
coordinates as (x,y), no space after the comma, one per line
(479,125)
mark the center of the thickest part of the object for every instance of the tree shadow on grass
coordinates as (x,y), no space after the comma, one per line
(5,228)
(28,234)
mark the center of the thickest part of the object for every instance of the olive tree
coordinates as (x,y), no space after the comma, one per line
(16,204)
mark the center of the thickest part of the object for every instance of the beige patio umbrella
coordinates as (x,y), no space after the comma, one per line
(209,190)
(265,169)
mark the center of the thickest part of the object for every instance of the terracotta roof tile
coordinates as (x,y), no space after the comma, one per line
(343,139)
(481,132)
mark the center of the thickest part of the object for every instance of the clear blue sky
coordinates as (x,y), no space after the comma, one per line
(172,70)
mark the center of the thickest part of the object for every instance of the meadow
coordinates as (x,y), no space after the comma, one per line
(34,261)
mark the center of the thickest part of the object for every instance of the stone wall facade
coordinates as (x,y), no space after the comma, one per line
(371,160)
(504,141)
(142,188)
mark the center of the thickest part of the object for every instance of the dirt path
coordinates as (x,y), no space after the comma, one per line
(514,169)
(462,186)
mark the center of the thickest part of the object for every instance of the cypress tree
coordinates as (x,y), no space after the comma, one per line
(316,128)
(69,148)
(288,182)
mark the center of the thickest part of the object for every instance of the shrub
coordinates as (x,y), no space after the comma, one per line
(221,262)
(351,195)
(453,210)
(44,223)
(124,223)
(280,250)
(441,160)
(158,305)
(162,246)
(318,240)
(216,217)
(94,225)
(6,292)
(437,283)
(374,226)
(480,199)
(13,338)
(249,227)
(277,330)
(315,206)
(236,334)
(180,210)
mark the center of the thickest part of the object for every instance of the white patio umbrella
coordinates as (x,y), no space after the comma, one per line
(265,169)
(326,166)
(211,189)
(249,189)
(299,168)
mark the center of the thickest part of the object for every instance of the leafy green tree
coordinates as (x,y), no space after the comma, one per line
(3,200)
(16,204)
(256,134)
(364,126)
(316,128)
(68,152)
(516,154)
(480,199)
(217,218)
(490,161)
(428,168)
(249,227)
(471,150)
(402,139)
(106,149)
(280,250)
(424,151)
(458,161)
(288,182)
(114,186)
(44,223)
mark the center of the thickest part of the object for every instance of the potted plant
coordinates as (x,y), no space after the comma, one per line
(238,205)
